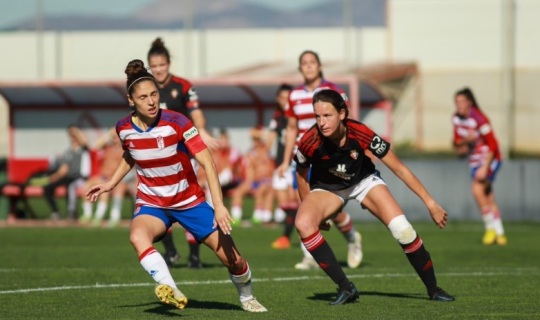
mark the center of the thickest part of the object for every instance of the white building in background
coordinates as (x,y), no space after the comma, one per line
(490,45)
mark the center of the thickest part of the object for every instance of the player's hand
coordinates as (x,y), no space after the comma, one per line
(282,169)
(438,214)
(223,219)
(94,192)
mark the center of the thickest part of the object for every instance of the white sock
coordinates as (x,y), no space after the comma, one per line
(116,209)
(101,210)
(87,209)
(266,215)
(157,268)
(279,215)
(242,283)
(305,251)
(498,226)
(236,213)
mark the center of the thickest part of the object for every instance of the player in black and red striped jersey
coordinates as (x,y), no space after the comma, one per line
(178,94)
(335,153)
(474,137)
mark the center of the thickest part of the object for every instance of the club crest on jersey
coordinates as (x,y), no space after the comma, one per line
(174,93)
(354,154)
(160,142)
(190,133)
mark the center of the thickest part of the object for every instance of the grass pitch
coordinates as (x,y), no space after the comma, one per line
(85,273)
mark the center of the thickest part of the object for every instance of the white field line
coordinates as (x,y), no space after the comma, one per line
(278,279)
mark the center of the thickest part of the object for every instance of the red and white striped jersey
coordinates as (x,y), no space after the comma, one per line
(301,105)
(476,123)
(165,175)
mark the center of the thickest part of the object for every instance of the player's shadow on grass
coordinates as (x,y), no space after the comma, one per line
(204,266)
(331,296)
(167,310)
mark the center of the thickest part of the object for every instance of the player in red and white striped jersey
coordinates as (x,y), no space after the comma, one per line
(474,137)
(300,119)
(158,143)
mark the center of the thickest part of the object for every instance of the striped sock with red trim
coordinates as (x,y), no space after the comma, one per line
(421,261)
(325,257)
(152,261)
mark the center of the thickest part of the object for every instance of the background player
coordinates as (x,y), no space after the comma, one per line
(474,137)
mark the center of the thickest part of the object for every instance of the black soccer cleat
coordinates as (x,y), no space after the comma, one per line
(171,259)
(194,262)
(346,295)
(441,295)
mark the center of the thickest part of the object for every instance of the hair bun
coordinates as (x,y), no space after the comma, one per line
(135,67)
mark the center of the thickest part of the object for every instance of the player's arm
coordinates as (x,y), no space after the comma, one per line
(125,165)
(291,133)
(438,214)
(222,217)
(303,182)
(487,134)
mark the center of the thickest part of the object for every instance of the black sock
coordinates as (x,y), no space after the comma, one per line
(168,243)
(193,251)
(323,254)
(289,221)
(421,261)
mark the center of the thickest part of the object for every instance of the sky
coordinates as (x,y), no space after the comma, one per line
(14,11)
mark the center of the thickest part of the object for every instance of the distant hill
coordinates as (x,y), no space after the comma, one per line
(212,14)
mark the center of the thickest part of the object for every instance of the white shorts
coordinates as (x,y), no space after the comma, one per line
(283,183)
(358,192)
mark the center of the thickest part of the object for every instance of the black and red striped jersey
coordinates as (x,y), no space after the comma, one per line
(179,95)
(337,168)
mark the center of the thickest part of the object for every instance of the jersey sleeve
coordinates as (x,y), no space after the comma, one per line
(190,96)
(485,130)
(371,141)
(192,139)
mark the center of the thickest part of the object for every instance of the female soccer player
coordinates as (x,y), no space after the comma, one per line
(473,136)
(159,144)
(335,149)
(178,94)
(300,119)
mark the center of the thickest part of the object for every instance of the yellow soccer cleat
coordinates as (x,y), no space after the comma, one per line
(489,237)
(501,240)
(168,295)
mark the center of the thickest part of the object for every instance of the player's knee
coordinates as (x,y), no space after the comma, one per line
(402,230)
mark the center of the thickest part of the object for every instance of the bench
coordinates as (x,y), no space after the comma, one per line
(16,190)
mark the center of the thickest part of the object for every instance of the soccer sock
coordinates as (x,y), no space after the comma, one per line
(236,213)
(242,282)
(279,215)
(116,208)
(346,227)
(323,254)
(87,209)
(100,210)
(156,267)
(266,215)
(289,221)
(497,222)
(193,246)
(168,243)
(487,216)
(421,261)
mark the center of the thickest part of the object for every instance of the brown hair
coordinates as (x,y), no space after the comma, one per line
(316,58)
(334,98)
(135,72)
(158,49)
